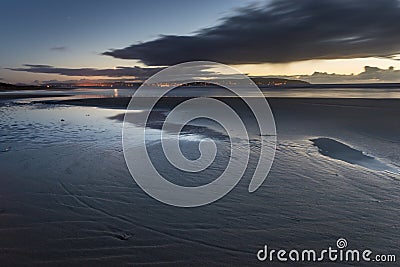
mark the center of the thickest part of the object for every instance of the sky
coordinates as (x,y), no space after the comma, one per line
(309,39)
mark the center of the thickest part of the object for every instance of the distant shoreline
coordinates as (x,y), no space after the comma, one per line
(4,87)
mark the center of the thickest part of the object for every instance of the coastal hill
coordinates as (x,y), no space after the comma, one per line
(272,82)
(6,85)
(259,81)
(12,87)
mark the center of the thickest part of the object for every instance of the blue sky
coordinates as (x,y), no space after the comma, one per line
(30,29)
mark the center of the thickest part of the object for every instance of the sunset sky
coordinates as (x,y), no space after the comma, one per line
(71,40)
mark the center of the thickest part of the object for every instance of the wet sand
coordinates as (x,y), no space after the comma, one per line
(168,102)
(67,198)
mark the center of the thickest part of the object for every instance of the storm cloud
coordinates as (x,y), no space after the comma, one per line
(283,31)
(136,72)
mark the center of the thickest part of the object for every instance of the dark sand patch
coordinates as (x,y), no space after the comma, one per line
(108,102)
(337,150)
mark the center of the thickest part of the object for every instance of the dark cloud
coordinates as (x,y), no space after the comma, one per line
(59,48)
(283,31)
(136,72)
(33,66)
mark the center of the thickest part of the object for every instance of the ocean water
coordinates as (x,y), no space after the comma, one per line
(67,197)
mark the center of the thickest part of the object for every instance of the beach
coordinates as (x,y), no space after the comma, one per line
(67,197)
